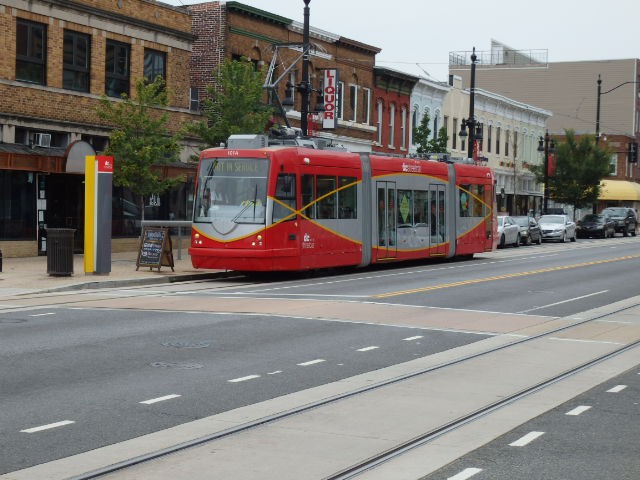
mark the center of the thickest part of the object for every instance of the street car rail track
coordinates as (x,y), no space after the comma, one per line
(384,456)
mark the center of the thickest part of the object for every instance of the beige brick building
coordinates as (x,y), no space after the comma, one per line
(59,58)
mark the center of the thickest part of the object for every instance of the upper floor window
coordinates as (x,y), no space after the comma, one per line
(489,140)
(403,128)
(506,142)
(392,124)
(31,52)
(497,140)
(154,65)
(353,102)
(117,68)
(340,102)
(75,59)
(454,145)
(379,121)
(366,106)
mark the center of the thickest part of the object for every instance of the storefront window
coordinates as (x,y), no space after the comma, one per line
(17,205)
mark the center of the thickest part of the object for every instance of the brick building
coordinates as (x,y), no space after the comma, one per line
(231,30)
(59,57)
(393,106)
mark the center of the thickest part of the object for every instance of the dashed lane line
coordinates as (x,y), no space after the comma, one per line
(526,440)
(578,410)
(47,427)
(616,389)
(160,399)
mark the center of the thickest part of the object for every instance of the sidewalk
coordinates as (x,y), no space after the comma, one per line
(29,274)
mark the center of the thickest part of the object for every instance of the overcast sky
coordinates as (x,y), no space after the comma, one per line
(416,36)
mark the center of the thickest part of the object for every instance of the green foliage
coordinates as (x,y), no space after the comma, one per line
(141,139)
(422,134)
(234,104)
(580,165)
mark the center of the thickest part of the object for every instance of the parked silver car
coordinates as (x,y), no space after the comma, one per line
(558,228)
(508,232)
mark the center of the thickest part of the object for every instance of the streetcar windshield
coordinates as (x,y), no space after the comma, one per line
(232,189)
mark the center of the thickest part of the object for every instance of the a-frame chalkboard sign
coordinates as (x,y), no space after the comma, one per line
(155,249)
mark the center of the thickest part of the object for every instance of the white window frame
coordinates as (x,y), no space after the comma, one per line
(353,94)
(392,124)
(367,105)
(341,100)
(379,121)
(403,128)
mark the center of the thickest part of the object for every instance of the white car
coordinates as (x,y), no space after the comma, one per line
(558,228)
(508,232)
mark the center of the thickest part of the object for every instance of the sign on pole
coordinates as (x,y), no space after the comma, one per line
(330,92)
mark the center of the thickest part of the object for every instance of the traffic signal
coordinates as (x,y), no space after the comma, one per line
(633,152)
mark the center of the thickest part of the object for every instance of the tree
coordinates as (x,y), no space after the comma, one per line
(233,104)
(422,134)
(580,165)
(141,140)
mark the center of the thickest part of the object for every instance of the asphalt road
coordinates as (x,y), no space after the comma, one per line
(74,379)
(97,368)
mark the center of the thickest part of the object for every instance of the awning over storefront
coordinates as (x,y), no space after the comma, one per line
(619,190)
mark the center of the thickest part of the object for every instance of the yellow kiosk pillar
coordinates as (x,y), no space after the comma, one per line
(97,214)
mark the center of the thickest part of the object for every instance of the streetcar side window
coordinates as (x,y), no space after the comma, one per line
(347,198)
(326,188)
(284,206)
(308,195)
(420,208)
(405,207)
(471,199)
(466,200)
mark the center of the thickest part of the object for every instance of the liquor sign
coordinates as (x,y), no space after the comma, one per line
(330,92)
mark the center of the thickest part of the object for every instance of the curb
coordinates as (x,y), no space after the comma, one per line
(134,282)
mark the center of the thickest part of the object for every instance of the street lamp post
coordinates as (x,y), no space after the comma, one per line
(474,127)
(305,88)
(547,146)
(599,94)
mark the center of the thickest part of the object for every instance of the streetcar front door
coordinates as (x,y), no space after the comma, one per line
(437,219)
(386,214)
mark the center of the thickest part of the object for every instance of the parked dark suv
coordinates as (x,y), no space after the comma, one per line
(625,219)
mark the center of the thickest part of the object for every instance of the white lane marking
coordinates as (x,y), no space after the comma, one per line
(412,338)
(528,438)
(274,373)
(617,388)
(311,362)
(564,301)
(465,474)
(584,341)
(366,349)
(160,399)
(42,314)
(48,427)
(243,379)
(578,410)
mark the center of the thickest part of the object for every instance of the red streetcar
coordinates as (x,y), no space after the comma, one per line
(292,208)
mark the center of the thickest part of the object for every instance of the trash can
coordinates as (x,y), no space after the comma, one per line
(60,251)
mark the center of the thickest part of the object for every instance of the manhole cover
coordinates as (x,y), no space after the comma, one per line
(12,320)
(183,366)
(187,344)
